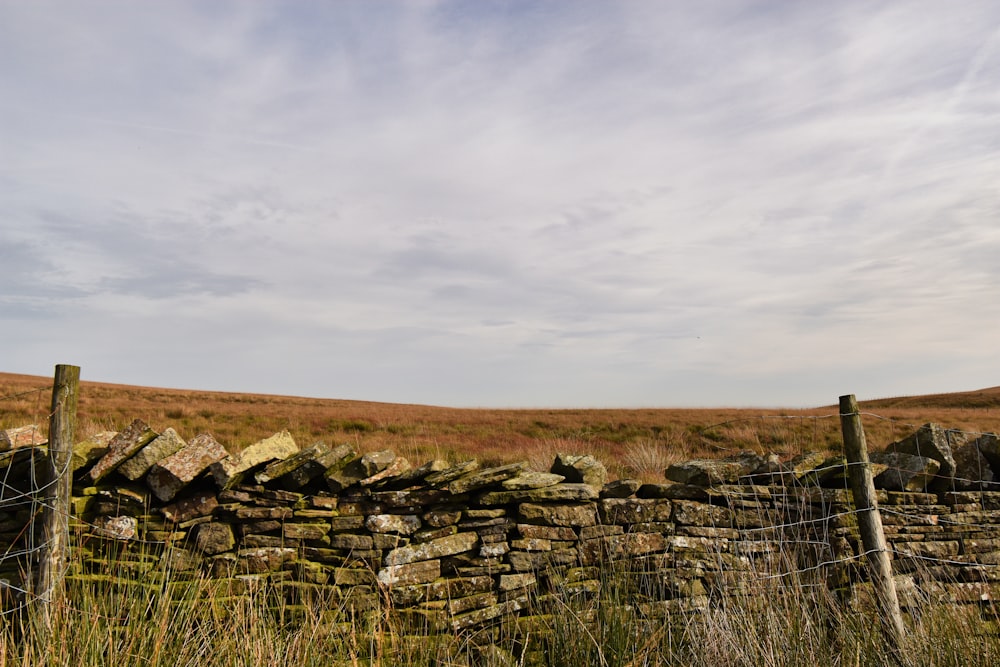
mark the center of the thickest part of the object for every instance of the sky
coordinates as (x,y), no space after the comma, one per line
(504,204)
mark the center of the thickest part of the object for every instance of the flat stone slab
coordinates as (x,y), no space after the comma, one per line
(934,442)
(229,471)
(159,448)
(563,492)
(626,511)
(439,548)
(973,471)
(22,436)
(398,466)
(580,469)
(202,503)
(484,478)
(904,472)
(305,465)
(448,475)
(410,574)
(416,475)
(577,514)
(93,448)
(121,447)
(620,488)
(400,524)
(169,476)
(707,472)
(531,480)
(214,538)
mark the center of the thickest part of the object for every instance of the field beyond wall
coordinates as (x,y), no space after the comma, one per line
(631,442)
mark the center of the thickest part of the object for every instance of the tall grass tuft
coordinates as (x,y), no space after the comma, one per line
(160,618)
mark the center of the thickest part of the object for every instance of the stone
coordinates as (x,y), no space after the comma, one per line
(531,480)
(344,474)
(531,544)
(498,656)
(261,513)
(625,511)
(229,471)
(90,450)
(579,469)
(989,446)
(486,614)
(116,527)
(565,492)
(448,475)
(904,472)
(121,447)
(409,498)
(166,478)
(400,524)
(494,549)
(440,589)
(305,531)
(349,472)
(972,470)
(439,518)
(414,476)
(260,560)
(177,559)
(353,576)
(933,441)
(534,531)
(674,491)
(22,436)
(351,541)
(214,538)
(310,470)
(122,499)
(317,457)
(699,514)
(398,466)
(584,514)
(409,574)
(516,582)
(157,449)
(707,472)
(804,463)
(620,488)
(202,503)
(433,549)
(375,462)
(533,561)
(469,602)
(831,472)
(484,478)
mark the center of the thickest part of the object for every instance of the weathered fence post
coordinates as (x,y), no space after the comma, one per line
(58,482)
(869,520)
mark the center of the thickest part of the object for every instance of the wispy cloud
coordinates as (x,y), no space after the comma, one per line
(505,203)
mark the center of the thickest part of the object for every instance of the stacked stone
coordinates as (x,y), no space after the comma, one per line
(459,546)
(21,464)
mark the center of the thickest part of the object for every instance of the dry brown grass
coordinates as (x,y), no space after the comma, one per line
(631,442)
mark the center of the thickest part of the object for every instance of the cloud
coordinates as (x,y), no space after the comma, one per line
(624,203)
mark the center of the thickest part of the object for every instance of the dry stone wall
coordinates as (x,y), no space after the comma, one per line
(455,546)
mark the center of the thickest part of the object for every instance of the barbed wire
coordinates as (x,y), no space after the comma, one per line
(12,397)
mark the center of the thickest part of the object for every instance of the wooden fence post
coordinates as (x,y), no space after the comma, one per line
(869,520)
(58,482)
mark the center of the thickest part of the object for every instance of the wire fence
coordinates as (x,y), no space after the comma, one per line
(799,529)
(26,489)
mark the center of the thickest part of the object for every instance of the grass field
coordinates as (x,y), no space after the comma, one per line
(631,442)
(163,621)
(160,621)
